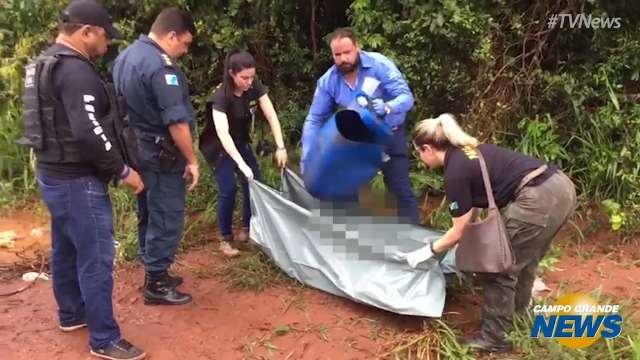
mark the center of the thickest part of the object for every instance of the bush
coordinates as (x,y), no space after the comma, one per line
(565,95)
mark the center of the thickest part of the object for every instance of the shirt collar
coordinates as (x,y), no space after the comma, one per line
(365,60)
(168,60)
(146,39)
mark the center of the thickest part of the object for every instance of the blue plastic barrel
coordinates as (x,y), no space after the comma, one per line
(346,155)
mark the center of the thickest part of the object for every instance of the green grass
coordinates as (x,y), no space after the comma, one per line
(254,272)
(440,341)
(437,340)
(550,259)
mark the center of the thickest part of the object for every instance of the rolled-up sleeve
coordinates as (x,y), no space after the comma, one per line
(321,107)
(168,91)
(394,84)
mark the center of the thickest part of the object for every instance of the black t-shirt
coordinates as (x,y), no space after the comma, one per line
(239,110)
(82,103)
(463,178)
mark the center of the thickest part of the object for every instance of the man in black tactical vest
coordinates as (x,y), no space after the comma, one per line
(71,120)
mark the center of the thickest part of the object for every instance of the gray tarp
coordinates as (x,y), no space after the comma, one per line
(359,257)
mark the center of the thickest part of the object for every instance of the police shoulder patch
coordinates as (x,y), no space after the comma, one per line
(171,79)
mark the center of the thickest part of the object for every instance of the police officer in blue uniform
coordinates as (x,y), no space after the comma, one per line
(163,117)
(69,116)
(356,71)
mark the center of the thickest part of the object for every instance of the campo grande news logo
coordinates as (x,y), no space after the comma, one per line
(576,321)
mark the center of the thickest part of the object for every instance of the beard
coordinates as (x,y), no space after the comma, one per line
(347,68)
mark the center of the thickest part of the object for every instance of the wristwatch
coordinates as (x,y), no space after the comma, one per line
(125,172)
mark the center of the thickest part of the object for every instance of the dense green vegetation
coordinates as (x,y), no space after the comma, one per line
(567,95)
(570,96)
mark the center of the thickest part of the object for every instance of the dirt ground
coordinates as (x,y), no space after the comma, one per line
(277,323)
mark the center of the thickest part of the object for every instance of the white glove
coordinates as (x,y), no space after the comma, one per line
(362,101)
(416,257)
(246,170)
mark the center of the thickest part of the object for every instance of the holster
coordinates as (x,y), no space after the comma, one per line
(168,154)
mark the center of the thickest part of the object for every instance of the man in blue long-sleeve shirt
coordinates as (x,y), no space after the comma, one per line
(358,71)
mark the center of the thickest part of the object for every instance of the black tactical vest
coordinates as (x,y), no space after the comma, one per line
(52,140)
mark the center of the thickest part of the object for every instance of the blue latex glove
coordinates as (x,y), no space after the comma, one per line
(379,107)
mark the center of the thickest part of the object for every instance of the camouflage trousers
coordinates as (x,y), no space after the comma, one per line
(532,220)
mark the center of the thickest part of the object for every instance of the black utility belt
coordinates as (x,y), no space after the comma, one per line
(166,151)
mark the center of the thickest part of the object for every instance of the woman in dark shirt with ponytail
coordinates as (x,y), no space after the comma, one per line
(226,144)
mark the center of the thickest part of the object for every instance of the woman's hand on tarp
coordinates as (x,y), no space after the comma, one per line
(246,170)
(281,157)
(416,257)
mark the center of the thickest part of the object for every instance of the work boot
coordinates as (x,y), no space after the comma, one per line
(243,235)
(173,281)
(159,291)
(119,350)
(479,343)
(228,250)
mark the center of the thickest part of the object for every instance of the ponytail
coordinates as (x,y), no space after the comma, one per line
(442,132)
(235,61)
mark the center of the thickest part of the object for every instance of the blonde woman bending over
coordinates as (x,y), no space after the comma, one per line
(536,200)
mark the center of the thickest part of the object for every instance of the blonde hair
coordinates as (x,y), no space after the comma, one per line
(442,132)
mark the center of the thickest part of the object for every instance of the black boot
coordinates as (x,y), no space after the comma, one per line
(479,343)
(174,281)
(159,291)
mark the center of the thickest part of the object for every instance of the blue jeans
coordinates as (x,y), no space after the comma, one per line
(224,171)
(83,250)
(160,218)
(396,176)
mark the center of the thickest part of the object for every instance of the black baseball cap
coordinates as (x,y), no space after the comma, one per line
(89,12)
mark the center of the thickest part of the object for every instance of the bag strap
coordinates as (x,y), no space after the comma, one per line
(530,176)
(487,183)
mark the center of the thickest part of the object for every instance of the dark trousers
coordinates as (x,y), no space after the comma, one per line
(224,171)
(396,176)
(160,218)
(83,250)
(532,220)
